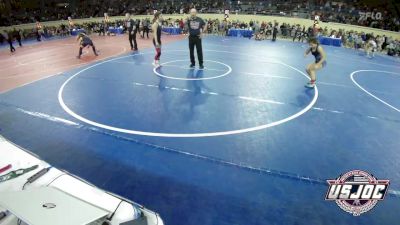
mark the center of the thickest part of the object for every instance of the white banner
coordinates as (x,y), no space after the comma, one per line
(366,15)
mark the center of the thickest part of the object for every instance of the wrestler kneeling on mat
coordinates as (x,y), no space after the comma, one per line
(85,41)
(320,61)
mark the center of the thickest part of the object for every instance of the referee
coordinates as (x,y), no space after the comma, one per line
(196,26)
(131,25)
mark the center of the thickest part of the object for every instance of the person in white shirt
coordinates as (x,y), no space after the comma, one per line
(370,48)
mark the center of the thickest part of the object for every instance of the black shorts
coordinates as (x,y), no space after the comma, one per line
(87,43)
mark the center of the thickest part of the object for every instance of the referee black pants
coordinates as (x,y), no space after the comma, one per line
(195,41)
(132,37)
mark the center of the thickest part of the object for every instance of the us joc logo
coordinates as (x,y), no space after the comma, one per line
(357,191)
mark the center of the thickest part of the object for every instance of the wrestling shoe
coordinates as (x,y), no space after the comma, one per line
(309,85)
(156,64)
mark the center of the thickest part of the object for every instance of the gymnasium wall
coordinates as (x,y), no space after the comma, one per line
(291,20)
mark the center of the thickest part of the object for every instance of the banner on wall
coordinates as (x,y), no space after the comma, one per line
(369,15)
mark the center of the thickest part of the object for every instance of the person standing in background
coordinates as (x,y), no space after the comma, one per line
(182,25)
(297,33)
(370,47)
(145,28)
(132,27)
(196,27)
(18,37)
(39,31)
(275,31)
(8,36)
(138,26)
(156,27)
(102,28)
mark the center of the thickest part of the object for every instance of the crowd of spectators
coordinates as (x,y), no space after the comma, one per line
(381,15)
(264,30)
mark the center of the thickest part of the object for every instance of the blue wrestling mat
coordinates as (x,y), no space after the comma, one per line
(240,142)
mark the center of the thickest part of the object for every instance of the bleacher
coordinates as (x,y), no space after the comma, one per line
(344,11)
